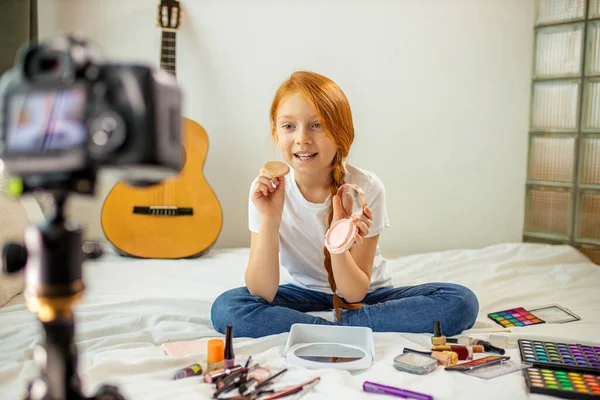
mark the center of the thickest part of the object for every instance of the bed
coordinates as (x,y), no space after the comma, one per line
(132,306)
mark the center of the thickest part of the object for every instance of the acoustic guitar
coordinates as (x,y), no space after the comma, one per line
(179,217)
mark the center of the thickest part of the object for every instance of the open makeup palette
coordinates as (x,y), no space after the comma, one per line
(567,370)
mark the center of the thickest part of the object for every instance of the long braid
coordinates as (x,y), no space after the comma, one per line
(337,179)
(333,109)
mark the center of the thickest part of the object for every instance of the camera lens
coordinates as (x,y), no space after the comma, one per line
(49,64)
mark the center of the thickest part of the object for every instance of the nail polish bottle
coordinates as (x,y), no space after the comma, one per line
(438,338)
(214,359)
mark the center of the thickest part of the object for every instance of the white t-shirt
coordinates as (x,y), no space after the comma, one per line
(304,224)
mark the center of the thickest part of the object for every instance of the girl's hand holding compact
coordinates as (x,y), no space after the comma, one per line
(362,222)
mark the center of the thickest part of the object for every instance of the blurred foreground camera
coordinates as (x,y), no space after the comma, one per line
(64,113)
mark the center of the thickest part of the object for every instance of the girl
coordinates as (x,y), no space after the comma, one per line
(288,216)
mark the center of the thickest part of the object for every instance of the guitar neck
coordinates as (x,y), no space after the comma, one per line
(168,51)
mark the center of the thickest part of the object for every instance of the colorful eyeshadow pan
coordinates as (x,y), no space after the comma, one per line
(515,317)
(575,357)
(563,383)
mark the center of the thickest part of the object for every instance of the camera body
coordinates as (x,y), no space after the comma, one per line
(64,114)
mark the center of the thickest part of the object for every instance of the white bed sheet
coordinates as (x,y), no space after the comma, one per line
(133,306)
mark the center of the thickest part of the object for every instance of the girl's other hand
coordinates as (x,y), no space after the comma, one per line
(363,222)
(268,196)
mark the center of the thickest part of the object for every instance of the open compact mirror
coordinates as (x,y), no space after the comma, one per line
(353,199)
(340,236)
(328,352)
(327,355)
(323,346)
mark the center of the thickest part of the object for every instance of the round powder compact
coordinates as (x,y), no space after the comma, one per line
(340,236)
(276,168)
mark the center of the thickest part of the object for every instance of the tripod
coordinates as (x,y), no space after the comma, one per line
(53,284)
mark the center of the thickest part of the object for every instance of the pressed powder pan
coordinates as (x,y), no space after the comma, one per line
(340,237)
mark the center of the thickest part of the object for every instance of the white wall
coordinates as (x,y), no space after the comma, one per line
(439,90)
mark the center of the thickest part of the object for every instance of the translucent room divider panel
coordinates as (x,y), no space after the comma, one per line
(562,203)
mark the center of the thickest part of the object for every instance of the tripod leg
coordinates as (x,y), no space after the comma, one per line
(57,361)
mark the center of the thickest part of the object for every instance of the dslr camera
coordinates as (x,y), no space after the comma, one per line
(64,113)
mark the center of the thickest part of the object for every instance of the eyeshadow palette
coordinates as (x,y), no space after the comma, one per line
(515,317)
(575,357)
(562,383)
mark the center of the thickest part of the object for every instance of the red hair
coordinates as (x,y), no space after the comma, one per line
(333,109)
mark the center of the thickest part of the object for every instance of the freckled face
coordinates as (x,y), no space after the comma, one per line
(301,138)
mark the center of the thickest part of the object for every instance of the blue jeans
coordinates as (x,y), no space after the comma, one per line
(404,309)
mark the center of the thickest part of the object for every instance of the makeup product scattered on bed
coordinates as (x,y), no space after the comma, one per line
(496,370)
(554,314)
(229,357)
(572,356)
(340,236)
(515,317)
(463,352)
(444,358)
(301,388)
(438,338)
(255,376)
(479,363)
(192,370)
(503,341)
(253,386)
(563,383)
(236,377)
(487,346)
(306,389)
(216,354)
(216,375)
(415,363)
(373,387)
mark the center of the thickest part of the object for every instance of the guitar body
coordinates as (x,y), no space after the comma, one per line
(178,218)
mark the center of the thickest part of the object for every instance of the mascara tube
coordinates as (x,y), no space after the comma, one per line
(487,346)
(229,360)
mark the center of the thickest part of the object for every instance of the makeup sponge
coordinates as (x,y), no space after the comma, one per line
(276,168)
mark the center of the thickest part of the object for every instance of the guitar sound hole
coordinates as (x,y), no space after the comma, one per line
(141,183)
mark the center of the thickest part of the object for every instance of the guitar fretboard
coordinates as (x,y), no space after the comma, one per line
(168,51)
